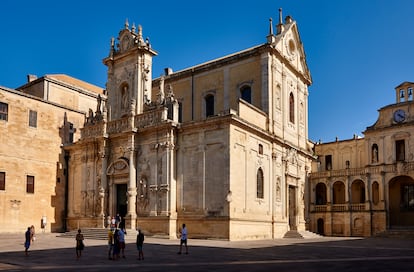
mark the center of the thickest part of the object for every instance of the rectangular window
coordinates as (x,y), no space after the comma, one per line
(30,184)
(400,150)
(71,132)
(328,162)
(407,197)
(2,181)
(33,118)
(4,111)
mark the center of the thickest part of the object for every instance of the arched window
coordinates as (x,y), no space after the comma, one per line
(260,149)
(374,153)
(375,192)
(338,193)
(291,108)
(358,192)
(260,183)
(209,102)
(246,93)
(320,191)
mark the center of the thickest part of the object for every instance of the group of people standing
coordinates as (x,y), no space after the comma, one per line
(116,242)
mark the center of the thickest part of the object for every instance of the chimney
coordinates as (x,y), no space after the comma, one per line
(31,78)
(168,71)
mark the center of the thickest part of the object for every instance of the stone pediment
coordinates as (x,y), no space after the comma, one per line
(290,46)
(119,167)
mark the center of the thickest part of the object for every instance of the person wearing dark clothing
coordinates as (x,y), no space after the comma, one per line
(140,243)
(28,239)
(79,244)
(117,249)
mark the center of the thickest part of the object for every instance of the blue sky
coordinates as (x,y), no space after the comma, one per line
(357,51)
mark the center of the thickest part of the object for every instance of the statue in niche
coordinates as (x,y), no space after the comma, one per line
(143,200)
(125,97)
(374,153)
(278,189)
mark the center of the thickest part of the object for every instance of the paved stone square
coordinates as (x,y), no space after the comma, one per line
(52,253)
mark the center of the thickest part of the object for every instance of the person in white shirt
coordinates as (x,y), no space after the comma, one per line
(183,239)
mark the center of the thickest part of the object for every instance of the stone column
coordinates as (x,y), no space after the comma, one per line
(132,191)
(104,183)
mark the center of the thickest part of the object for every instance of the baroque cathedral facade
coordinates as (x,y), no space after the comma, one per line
(221,146)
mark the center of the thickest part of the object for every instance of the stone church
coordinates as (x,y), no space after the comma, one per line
(221,146)
(365,186)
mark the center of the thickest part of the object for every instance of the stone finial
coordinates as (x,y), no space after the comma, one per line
(280,24)
(126,24)
(270,26)
(133,28)
(140,38)
(270,37)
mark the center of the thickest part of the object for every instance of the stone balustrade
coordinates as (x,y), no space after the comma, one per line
(146,119)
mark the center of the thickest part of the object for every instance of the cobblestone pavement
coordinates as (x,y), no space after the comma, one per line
(52,253)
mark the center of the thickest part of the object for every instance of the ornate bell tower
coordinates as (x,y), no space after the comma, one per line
(129,73)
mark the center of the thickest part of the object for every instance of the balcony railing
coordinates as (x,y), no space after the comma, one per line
(146,119)
(339,207)
(118,126)
(375,169)
(320,208)
(92,131)
(358,207)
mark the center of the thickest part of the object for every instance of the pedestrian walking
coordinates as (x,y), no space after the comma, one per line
(140,243)
(28,239)
(121,239)
(116,249)
(183,239)
(79,244)
(110,243)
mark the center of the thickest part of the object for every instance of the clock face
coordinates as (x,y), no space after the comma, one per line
(399,116)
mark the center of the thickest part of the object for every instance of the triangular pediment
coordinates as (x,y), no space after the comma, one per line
(290,46)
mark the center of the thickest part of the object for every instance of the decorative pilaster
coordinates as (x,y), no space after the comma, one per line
(132,189)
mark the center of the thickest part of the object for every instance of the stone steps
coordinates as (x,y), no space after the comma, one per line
(88,233)
(303,234)
(403,233)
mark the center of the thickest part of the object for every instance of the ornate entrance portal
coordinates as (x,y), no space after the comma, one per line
(121,199)
(292,208)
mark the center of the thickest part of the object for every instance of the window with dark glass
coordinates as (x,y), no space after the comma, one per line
(71,132)
(30,184)
(328,162)
(320,191)
(291,108)
(260,149)
(4,111)
(407,197)
(260,183)
(33,118)
(2,181)
(209,101)
(246,93)
(180,112)
(400,150)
